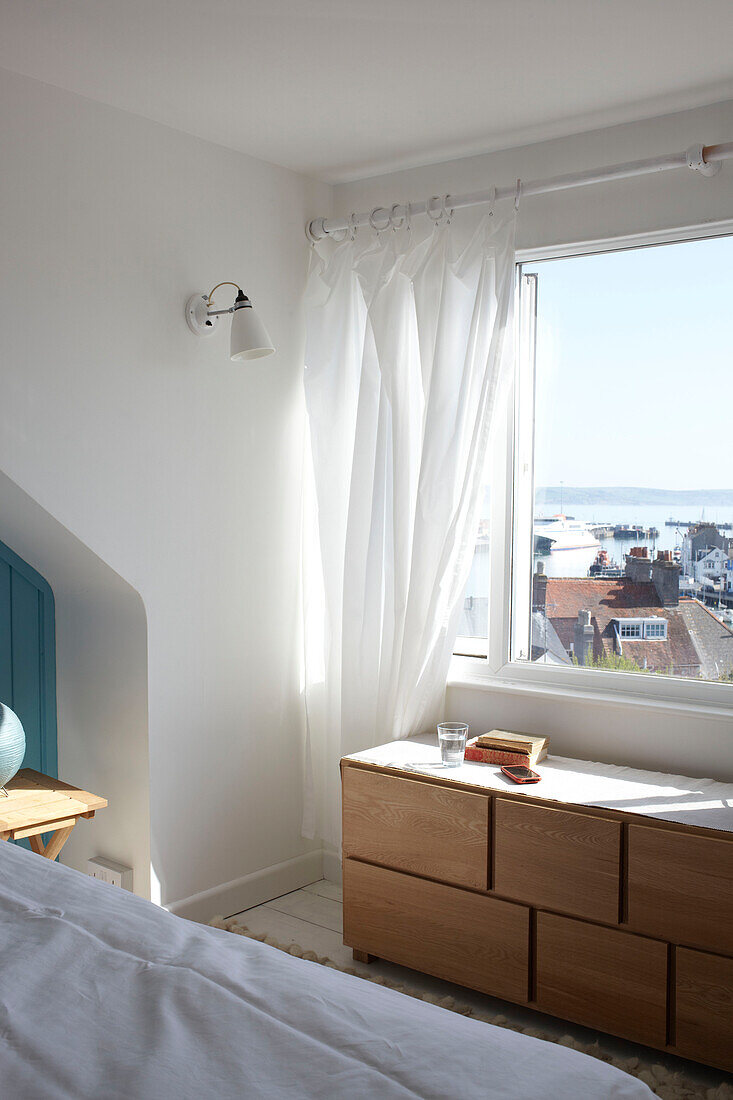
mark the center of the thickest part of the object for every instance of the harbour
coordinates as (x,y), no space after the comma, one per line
(692,522)
(608,537)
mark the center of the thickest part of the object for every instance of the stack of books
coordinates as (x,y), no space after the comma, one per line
(501,747)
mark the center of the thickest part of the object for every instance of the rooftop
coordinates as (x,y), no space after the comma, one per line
(696,643)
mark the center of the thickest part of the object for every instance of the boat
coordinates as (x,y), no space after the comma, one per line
(553,533)
(629,531)
(603,566)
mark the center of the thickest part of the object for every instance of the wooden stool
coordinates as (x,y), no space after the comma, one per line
(36,803)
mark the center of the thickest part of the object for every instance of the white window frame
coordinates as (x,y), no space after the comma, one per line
(512,480)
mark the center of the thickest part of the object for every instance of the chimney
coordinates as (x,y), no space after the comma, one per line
(583,634)
(666,578)
(539,588)
(638,565)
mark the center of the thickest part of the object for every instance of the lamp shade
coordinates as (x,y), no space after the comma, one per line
(249,336)
(12,744)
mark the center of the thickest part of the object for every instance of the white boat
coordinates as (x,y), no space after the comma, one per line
(553,533)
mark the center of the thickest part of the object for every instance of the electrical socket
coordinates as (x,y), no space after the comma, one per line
(107,870)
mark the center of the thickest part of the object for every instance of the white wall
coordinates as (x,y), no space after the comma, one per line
(695,744)
(102,683)
(177,468)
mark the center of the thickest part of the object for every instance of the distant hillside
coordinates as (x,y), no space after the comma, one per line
(705,498)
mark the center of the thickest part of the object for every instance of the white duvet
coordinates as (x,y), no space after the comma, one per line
(105,996)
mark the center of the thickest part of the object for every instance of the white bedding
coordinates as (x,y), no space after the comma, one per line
(105,996)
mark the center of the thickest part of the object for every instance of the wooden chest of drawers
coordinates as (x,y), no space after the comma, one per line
(619,922)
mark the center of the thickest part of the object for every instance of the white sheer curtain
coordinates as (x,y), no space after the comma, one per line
(404,354)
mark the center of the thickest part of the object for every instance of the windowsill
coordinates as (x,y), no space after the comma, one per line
(471,672)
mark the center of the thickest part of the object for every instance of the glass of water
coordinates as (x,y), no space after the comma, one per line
(452,740)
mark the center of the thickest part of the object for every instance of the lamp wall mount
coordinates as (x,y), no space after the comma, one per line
(249,337)
(198,317)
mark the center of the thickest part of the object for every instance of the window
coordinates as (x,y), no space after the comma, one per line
(621,492)
(641,628)
(609,402)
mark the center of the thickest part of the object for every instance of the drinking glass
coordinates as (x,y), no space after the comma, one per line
(452,740)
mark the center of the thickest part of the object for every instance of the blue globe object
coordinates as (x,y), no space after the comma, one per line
(12,744)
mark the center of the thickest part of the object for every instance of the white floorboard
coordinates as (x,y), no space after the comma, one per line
(312,918)
(313,908)
(326,889)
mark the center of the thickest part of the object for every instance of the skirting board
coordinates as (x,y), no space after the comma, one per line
(254,889)
(332,865)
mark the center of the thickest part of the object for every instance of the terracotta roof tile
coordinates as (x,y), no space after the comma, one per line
(617,599)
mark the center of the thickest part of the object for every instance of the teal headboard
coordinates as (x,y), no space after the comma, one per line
(28,657)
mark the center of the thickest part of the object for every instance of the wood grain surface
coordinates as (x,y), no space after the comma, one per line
(704,998)
(37,799)
(432,831)
(603,978)
(681,887)
(473,939)
(558,859)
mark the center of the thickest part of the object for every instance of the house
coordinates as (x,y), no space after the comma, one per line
(710,565)
(704,550)
(639,617)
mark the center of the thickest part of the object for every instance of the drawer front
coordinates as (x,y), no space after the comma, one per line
(558,859)
(472,939)
(704,1012)
(681,887)
(609,980)
(417,827)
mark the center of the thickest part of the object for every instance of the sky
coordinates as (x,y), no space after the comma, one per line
(635,368)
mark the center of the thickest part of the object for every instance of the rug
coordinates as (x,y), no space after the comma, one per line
(665,1083)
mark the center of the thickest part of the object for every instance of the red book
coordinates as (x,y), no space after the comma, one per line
(499,757)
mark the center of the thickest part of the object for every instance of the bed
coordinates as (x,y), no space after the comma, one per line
(106,996)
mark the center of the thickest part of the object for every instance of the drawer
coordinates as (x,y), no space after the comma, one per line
(557,859)
(610,980)
(418,827)
(681,887)
(472,939)
(704,1012)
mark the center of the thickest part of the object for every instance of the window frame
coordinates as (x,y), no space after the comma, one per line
(497,671)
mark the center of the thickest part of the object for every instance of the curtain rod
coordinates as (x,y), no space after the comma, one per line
(704,159)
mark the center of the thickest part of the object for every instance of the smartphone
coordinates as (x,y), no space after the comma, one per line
(520,774)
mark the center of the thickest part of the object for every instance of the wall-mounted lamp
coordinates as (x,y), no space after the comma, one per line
(249,338)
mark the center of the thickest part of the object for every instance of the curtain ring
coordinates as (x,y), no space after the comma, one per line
(441,212)
(448,213)
(393,218)
(518,195)
(492,202)
(380,228)
(352,226)
(309,234)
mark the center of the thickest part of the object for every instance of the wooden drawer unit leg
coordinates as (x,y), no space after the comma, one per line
(460,936)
